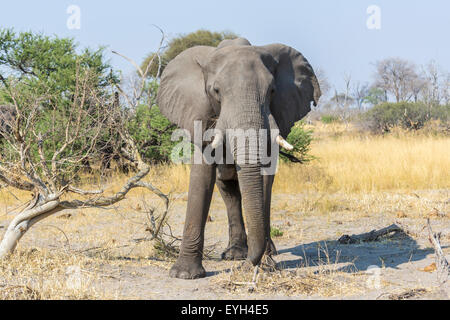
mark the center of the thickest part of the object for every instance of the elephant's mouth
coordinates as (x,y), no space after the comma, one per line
(226,172)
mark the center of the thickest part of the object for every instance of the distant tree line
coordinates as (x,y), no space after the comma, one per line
(401,94)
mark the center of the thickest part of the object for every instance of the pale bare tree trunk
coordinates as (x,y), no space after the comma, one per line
(23,222)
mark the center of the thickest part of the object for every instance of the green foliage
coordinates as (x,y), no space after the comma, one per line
(440,112)
(50,63)
(275,232)
(383,117)
(150,129)
(152,132)
(4,98)
(55,141)
(183,42)
(47,72)
(328,118)
(301,139)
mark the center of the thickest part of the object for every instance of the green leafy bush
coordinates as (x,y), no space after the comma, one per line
(152,132)
(301,139)
(441,113)
(50,65)
(385,116)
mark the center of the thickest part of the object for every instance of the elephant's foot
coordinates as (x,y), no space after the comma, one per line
(187,268)
(235,252)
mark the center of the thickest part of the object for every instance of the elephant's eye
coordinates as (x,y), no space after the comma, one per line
(216,90)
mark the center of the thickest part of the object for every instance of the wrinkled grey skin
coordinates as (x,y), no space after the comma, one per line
(236,85)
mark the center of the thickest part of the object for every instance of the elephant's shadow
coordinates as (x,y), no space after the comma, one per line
(389,253)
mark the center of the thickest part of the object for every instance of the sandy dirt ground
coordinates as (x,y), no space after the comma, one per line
(111,260)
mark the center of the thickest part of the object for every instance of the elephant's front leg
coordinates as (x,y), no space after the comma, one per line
(189,263)
(237,245)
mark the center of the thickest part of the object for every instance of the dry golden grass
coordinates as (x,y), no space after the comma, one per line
(292,283)
(348,161)
(386,163)
(41,274)
(353,164)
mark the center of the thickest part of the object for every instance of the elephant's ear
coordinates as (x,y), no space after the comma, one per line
(181,96)
(296,87)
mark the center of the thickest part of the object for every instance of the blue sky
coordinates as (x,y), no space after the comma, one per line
(332,34)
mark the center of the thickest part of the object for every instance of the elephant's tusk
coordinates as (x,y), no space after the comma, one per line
(280,140)
(218,140)
(284,144)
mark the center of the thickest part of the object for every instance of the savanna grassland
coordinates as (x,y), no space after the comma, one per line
(356,182)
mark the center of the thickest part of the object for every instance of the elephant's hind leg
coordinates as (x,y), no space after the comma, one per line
(189,263)
(237,245)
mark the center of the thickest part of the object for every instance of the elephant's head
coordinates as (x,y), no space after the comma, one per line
(239,86)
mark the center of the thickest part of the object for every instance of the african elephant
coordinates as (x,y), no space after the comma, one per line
(235,85)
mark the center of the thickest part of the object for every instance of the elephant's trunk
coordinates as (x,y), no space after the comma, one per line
(248,161)
(251,185)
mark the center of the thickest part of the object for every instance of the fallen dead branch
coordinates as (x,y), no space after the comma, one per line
(371,236)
